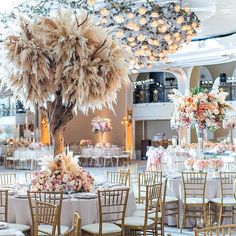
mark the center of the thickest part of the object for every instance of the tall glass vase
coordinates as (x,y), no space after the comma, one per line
(102,138)
(200,140)
(231,136)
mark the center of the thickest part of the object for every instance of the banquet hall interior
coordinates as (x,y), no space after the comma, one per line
(118,117)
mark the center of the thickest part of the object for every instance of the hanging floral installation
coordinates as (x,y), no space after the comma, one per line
(64,63)
(151,30)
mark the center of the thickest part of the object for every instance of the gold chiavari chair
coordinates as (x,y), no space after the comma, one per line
(230,166)
(76,226)
(133,175)
(119,177)
(4,205)
(144,179)
(194,202)
(225,205)
(179,165)
(29,176)
(149,221)
(4,213)
(161,202)
(48,197)
(7,179)
(45,214)
(224,230)
(112,207)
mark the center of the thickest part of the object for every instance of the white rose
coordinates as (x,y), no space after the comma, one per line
(216,111)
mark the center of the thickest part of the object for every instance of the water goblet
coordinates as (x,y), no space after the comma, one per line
(69,189)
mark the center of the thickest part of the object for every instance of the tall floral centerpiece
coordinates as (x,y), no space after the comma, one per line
(202,109)
(60,172)
(230,123)
(101,125)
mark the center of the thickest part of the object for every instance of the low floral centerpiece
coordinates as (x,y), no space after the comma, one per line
(101,125)
(214,164)
(200,108)
(154,158)
(60,172)
(189,164)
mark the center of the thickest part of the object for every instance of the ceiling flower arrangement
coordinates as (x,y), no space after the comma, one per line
(147,29)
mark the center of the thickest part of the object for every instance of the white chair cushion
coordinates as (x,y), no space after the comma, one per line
(135,221)
(170,199)
(107,228)
(226,201)
(19,227)
(196,200)
(142,214)
(48,228)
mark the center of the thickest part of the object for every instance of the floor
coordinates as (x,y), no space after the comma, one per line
(100,173)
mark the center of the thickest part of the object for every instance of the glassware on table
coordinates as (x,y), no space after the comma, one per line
(69,189)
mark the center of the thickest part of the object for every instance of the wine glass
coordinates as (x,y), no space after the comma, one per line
(69,189)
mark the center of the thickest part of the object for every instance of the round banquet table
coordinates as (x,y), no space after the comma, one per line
(19,210)
(175,188)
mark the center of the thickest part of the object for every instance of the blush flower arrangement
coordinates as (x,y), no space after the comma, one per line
(154,158)
(61,171)
(200,107)
(214,164)
(101,125)
(229,122)
(189,164)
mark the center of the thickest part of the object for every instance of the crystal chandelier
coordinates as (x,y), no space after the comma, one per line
(148,30)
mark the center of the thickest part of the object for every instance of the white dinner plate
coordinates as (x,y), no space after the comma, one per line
(21,195)
(86,195)
(3,225)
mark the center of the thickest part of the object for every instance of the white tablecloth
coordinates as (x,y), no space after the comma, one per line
(101,152)
(19,211)
(10,232)
(175,188)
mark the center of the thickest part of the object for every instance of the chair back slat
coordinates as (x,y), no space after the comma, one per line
(179,165)
(147,178)
(223,230)
(112,206)
(120,177)
(46,214)
(194,184)
(226,182)
(4,205)
(153,202)
(7,179)
(54,198)
(29,176)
